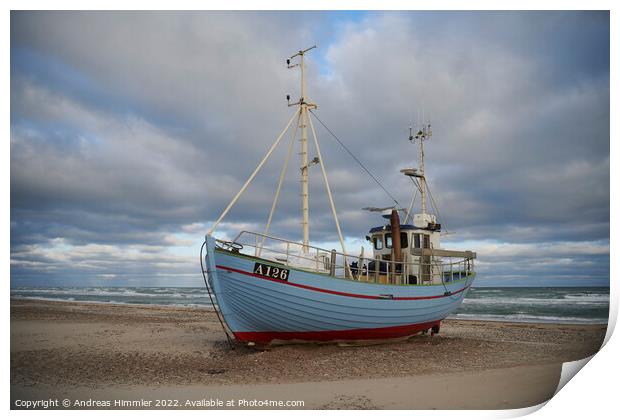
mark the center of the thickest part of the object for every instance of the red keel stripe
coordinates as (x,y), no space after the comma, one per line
(357,334)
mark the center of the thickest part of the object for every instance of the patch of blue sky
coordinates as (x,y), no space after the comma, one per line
(61,135)
(59,77)
(336,21)
(188,244)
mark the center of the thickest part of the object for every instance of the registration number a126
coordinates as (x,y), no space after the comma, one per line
(271,271)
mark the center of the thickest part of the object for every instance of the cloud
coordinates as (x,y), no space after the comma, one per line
(138,132)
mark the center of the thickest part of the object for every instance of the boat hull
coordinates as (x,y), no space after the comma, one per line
(313,307)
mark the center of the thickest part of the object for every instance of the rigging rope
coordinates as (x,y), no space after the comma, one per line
(355,158)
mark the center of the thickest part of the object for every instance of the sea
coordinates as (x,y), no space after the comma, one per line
(584,305)
(588,305)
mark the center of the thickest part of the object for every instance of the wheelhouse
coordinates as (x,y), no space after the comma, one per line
(419,251)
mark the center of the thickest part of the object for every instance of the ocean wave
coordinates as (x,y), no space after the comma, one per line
(168,293)
(114,302)
(572,300)
(529,318)
(588,297)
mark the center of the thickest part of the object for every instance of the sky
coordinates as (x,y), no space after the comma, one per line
(131,131)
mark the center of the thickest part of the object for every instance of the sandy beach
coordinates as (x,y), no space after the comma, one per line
(104,352)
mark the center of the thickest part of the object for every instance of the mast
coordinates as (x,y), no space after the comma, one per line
(304,107)
(303,124)
(423,183)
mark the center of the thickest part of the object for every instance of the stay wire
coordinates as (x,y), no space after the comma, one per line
(430,194)
(355,158)
(433,203)
(217,312)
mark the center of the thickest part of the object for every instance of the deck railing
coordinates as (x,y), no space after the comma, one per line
(423,266)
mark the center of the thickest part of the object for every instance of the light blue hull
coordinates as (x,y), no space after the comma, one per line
(315,307)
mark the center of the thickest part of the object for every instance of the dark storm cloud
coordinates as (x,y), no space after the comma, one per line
(130,127)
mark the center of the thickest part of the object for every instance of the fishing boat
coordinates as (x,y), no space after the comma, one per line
(270,290)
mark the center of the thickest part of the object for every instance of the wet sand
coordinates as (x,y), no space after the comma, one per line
(110,352)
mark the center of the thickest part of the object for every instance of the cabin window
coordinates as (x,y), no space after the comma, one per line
(416,240)
(378,241)
(427,241)
(403,240)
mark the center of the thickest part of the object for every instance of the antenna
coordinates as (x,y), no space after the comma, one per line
(302,99)
(423,133)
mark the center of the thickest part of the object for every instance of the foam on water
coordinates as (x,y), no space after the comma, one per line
(174,296)
(530,304)
(530,318)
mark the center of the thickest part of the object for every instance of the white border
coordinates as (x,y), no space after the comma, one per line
(592,394)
